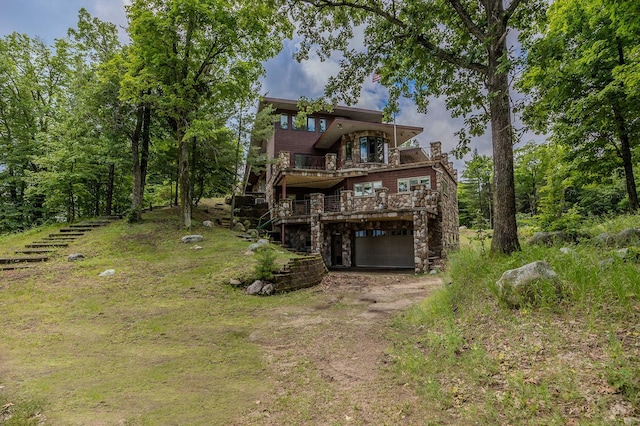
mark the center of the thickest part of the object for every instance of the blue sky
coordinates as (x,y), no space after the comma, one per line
(285,78)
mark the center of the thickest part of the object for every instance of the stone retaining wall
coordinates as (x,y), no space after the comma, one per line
(301,272)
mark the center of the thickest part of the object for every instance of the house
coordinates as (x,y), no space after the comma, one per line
(343,186)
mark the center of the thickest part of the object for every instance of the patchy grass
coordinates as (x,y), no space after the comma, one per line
(573,361)
(163,341)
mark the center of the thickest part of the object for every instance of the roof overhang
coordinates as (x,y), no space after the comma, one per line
(341,126)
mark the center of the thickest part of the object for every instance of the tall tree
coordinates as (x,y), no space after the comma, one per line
(580,76)
(476,186)
(421,48)
(198,57)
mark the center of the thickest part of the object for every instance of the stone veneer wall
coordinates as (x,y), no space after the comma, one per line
(300,273)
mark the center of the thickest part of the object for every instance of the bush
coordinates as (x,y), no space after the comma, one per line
(266,257)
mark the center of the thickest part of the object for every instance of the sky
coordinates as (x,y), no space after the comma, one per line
(285,78)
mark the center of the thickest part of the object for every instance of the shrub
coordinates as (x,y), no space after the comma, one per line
(266,257)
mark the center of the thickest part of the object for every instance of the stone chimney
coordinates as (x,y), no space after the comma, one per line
(436,151)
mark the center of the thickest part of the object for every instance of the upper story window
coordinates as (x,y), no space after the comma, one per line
(371,149)
(405,185)
(322,124)
(284,121)
(293,122)
(311,124)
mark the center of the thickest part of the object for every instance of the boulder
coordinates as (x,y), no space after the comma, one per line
(107,273)
(75,256)
(253,233)
(268,289)
(604,239)
(527,283)
(208,224)
(551,238)
(255,287)
(239,227)
(192,238)
(196,248)
(235,282)
(567,250)
(607,262)
(628,237)
(256,246)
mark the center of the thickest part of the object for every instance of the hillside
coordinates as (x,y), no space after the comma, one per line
(167,341)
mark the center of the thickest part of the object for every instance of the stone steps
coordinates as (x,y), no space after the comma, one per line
(76,229)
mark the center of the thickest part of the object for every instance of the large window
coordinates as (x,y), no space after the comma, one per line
(311,124)
(322,124)
(366,188)
(371,149)
(284,121)
(404,185)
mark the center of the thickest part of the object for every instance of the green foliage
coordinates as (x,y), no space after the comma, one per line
(577,76)
(475,194)
(266,257)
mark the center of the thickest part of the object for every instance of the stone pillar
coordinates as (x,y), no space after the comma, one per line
(420,242)
(418,194)
(394,157)
(285,208)
(330,162)
(284,160)
(346,201)
(436,151)
(346,246)
(317,204)
(382,198)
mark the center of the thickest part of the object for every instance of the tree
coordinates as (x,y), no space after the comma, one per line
(421,48)
(476,186)
(196,59)
(580,77)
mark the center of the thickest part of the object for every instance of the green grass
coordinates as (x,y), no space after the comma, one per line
(571,360)
(163,341)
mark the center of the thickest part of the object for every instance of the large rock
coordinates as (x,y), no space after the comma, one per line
(192,238)
(255,287)
(75,257)
(256,246)
(528,284)
(604,239)
(239,227)
(555,237)
(628,237)
(207,223)
(107,273)
(268,289)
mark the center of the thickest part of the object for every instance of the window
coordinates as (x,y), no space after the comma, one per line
(284,121)
(311,124)
(293,122)
(366,188)
(322,123)
(405,185)
(371,149)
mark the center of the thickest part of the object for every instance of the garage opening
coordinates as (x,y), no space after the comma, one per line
(376,248)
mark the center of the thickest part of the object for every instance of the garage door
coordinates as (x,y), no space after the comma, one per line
(384,249)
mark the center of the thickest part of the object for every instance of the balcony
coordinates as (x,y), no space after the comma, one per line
(345,205)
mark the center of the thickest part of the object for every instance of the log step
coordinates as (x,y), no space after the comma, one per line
(86,225)
(35,251)
(59,239)
(66,234)
(40,245)
(12,260)
(13,266)
(76,229)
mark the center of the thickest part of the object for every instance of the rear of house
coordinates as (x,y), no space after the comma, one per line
(345,187)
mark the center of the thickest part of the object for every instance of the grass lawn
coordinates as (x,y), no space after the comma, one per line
(163,341)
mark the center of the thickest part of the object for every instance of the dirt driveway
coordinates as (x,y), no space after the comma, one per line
(329,361)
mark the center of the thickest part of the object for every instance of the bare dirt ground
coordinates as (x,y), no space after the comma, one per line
(328,361)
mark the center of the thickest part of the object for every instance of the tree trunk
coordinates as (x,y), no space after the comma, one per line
(110,182)
(136,198)
(97,199)
(505,233)
(185,183)
(627,162)
(144,149)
